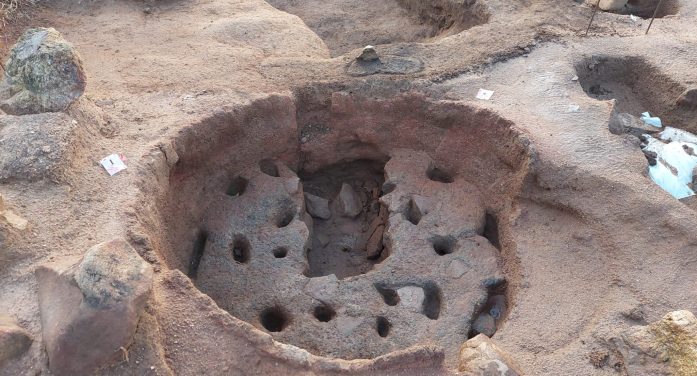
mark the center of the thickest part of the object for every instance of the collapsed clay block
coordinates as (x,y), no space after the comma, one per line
(349,202)
(14,341)
(90,309)
(44,73)
(665,347)
(318,207)
(482,356)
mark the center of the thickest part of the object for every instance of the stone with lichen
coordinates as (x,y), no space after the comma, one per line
(44,73)
(665,347)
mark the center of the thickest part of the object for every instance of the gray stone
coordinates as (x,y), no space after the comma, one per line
(14,341)
(368,54)
(100,297)
(43,74)
(688,99)
(411,298)
(482,356)
(418,207)
(627,123)
(37,147)
(349,202)
(318,207)
(484,324)
(498,306)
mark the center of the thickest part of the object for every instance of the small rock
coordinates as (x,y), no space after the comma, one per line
(635,314)
(349,203)
(14,220)
(627,123)
(599,358)
(484,324)
(346,242)
(651,157)
(14,341)
(100,297)
(498,306)
(411,298)
(318,207)
(369,54)
(418,207)
(482,356)
(688,99)
(44,73)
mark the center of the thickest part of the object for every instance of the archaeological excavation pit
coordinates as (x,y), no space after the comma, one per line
(644,8)
(638,87)
(348,25)
(303,217)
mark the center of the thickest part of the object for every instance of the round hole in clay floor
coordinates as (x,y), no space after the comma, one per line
(273,319)
(341,196)
(382,326)
(280,252)
(324,313)
(605,77)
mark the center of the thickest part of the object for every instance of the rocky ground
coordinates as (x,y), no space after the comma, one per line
(291,208)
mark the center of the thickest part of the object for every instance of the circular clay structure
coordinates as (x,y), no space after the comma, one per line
(305,218)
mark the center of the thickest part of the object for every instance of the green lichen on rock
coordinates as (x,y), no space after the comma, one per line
(44,73)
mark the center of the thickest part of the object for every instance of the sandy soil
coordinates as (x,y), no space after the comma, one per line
(585,236)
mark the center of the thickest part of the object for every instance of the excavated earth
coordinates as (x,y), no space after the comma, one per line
(309,213)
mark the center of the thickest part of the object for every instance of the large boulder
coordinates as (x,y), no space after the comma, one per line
(44,73)
(90,309)
(665,347)
(482,356)
(14,341)
(38,147)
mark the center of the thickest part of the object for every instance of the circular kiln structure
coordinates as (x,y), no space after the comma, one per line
(346,226)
